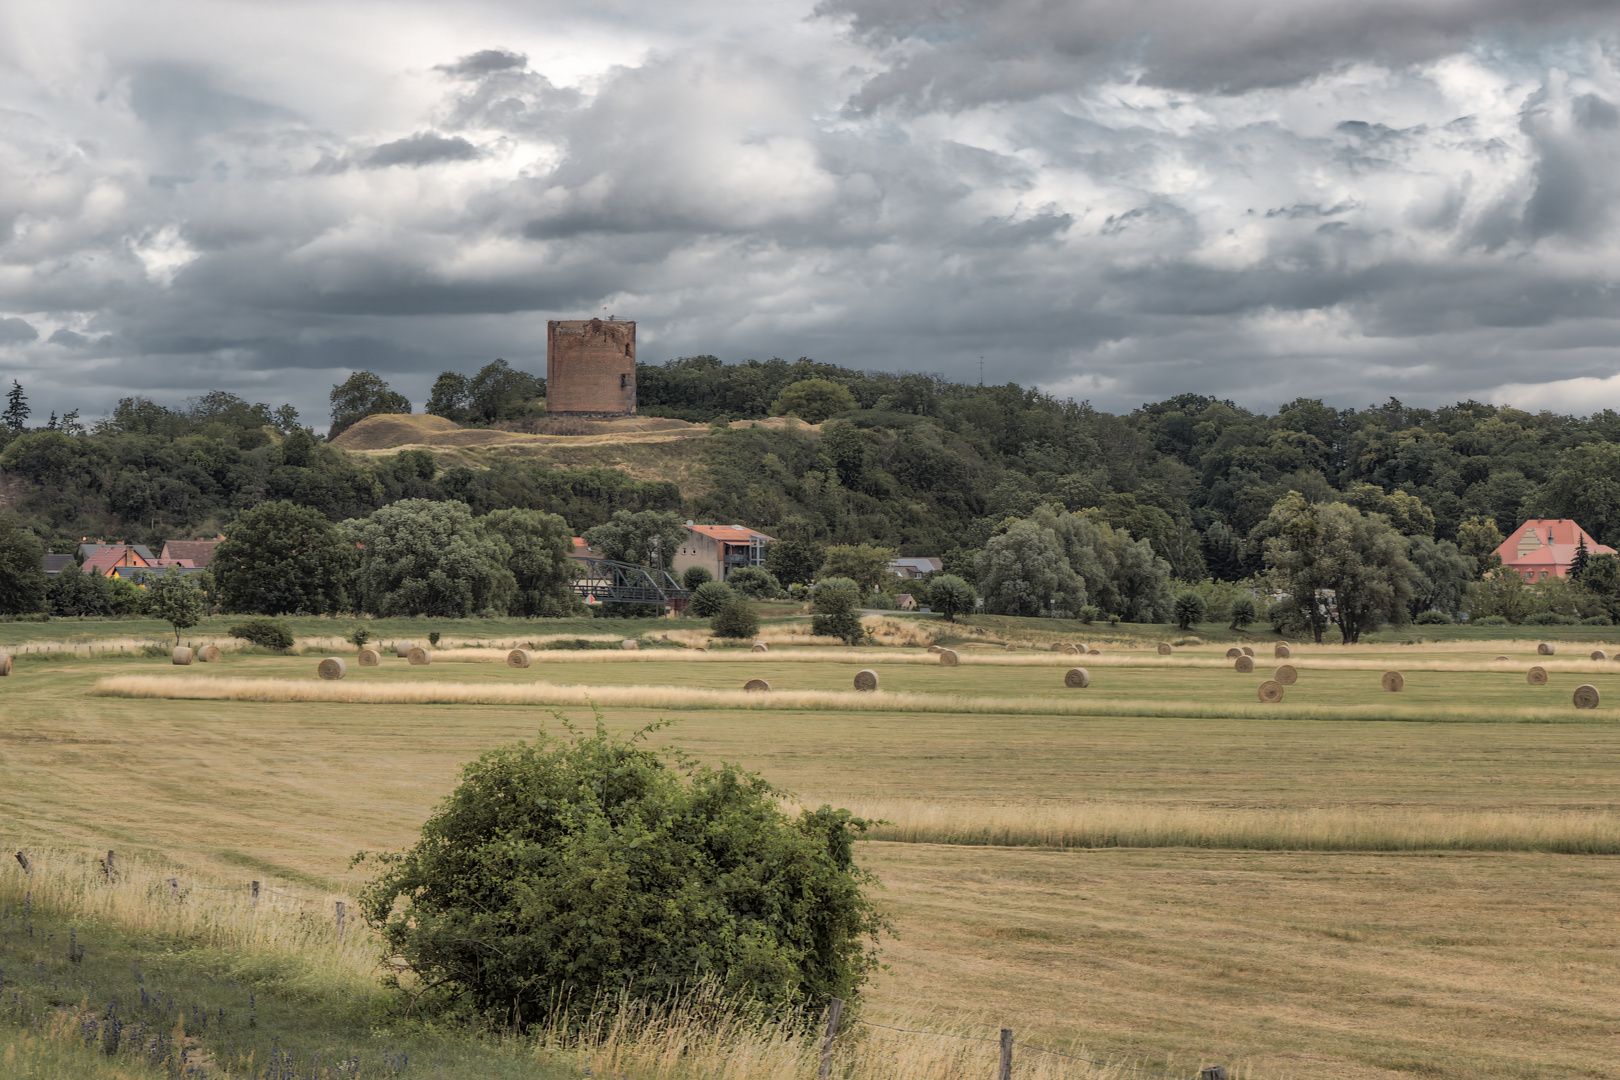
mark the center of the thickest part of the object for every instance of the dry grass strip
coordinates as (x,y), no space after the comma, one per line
(203,688)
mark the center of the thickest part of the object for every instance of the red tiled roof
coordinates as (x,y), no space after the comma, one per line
(729,533)
(108,557)
(199,552)
(1558,540)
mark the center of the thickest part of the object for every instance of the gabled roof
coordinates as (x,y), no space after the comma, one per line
(87,550)
(730,534)
(1548,542)
(919,562)
(199,552)
(55,564)
(111,555)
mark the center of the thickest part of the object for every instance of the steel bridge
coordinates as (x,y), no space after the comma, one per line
(607,582)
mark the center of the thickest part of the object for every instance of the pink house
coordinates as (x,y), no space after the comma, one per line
(1545,547)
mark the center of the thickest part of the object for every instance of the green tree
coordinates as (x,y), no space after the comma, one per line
(867,565)
(74,592)
(499,393)
(1602,581)
(448,398)
(1478,538)
(542,570)
(1502,592)
(279,558)
(794,562)
(755,583)
(835,610)
(735,619)
(951,596)
(1190,609)
(695,576)
(361,395)
(813,400)
(420,557)
(1577,565)
(1406,512)
(1243,613)
(22,570)
(709,598)
(177,599)
(1443,574)
(1023,571)
(1332,546)
(15,417)
(628,537)
(572,870)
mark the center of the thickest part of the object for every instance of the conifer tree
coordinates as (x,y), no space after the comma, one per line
(16,415)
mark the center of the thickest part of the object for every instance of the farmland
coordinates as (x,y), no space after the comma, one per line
(1157,868)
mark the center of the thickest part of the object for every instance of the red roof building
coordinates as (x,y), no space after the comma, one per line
(104,560)
(1545,547)
(720,549)
(197,552)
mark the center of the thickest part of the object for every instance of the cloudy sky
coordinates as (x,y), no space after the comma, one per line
(1114,199)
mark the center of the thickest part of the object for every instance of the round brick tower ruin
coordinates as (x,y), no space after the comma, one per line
(590,368)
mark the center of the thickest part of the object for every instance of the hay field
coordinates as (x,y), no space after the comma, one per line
(1299,897)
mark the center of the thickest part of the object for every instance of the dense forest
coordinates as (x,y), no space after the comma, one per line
(913,462)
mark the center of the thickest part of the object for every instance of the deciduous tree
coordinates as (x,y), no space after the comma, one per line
(279,558)
(419,557)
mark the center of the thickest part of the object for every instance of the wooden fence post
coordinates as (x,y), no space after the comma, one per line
(253,894)
(835,1012)
(1005,1071)
(340,915)
(174,889)
(1214,1072)
(109,869)
(22,860)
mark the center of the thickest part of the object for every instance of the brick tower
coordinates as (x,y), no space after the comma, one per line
(590,368)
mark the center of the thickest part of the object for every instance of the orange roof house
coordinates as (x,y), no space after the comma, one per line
(1545,547)
(110,556)
(720,549)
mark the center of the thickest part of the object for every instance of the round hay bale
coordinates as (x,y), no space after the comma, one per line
(1546,648)
(1233,653)
(1243,665)
(1504,658)
(1082,649)
(1536,676)
(866,680)
(1287,675)
(332,668)
(1164,648)
(181,655)
(936,649)
(1093,652)
(1586,696)
(702,648)
(760,646)
(1247,651)
(369,658)
(518,658)
(1010,648)
(1058,646)
(1271,691)
(629,644)
(419,655)
(948,658)
(402,649)
(756,686)
(1073,650)
(209,654)
(1394,681)
(1599,654)
(1077,678)
(1281,651)
(5,663)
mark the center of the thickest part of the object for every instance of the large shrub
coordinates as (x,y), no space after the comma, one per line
(736,620)
(710,597)
(835,602)
(755,582)
(265,633)
(563,869)
(1190,609)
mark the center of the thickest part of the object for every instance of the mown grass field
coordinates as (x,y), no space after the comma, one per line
(1356,897)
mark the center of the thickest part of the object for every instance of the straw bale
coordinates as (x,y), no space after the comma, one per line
(1010,648)
(181,655)
(1247,651)
(1599,654)
(866,680)
(702,648)
(937,649)
(1058,646)
(629,644)
(760,646)
(402,649)
(1586,696)
(1281,651)
(518,658)
(332,668)
(1093,652)
(1287,675)
(1271,691)
(1165,649)
(1394,681)
(209,654)
(419,656)
(369,658)
(1504,658)
(948,658)
(1546,648)
(1083,649)
(758,686)
(1073,650)
(1536,676)
(1243,665)
(1233,653)
(1077,678)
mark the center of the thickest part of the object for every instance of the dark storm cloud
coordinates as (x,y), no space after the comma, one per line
(958,53)
(69,339)
(423,148)
(16,331)
(483,63)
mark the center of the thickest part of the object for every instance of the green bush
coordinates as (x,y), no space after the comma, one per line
(1090,613)
(755,582)
(695,576)
(266,633)
(709,598)
(1190,609)
(1489,620)
(1550,618)
(735,619)
(1243,612)
(1597,620)
(951,596)
(565,869)
(1432,618)
(834,603)
(881,601)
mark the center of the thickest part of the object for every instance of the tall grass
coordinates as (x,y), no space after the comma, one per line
(421,692)
(1100,825)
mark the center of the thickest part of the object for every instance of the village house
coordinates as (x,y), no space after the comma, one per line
(720,549)
(198,553)
(911,569)
(103,559)
(1546,547)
